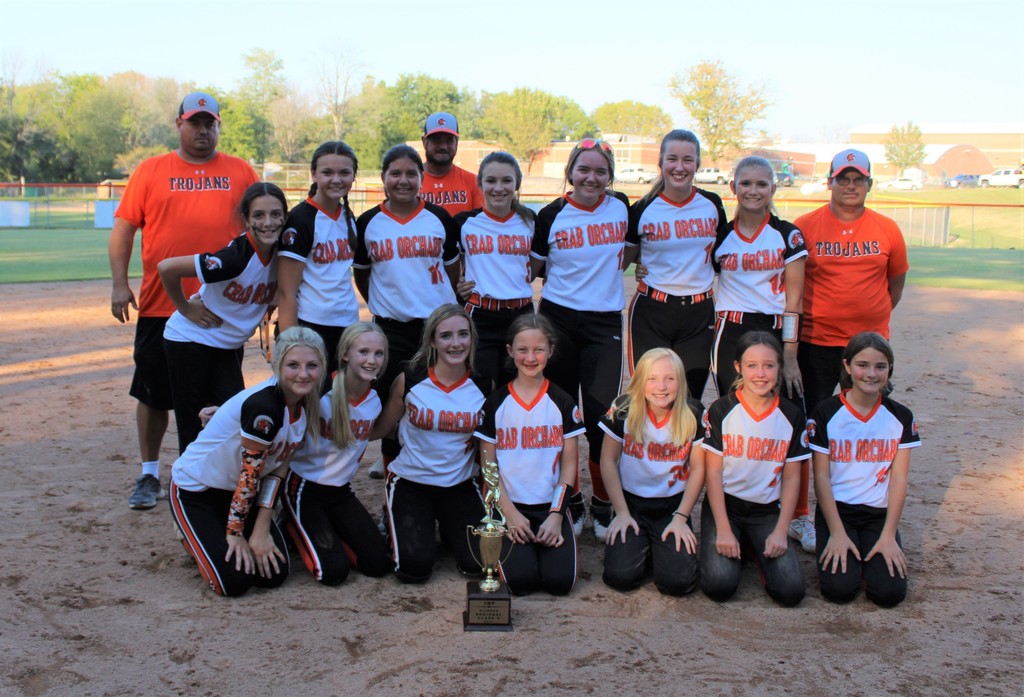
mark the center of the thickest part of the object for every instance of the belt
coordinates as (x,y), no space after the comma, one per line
(492,304)
(643,289)
(737,317)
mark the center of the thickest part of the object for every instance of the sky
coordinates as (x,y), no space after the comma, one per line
(826,66)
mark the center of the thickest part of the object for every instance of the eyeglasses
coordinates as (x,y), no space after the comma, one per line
(847,181)
(592,144)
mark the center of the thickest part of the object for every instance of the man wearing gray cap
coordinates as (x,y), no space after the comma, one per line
(854,277)
(185,202)
(444,183)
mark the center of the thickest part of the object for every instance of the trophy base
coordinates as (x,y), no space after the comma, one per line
(487,612)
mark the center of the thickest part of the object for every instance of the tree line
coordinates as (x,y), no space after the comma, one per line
(86,128)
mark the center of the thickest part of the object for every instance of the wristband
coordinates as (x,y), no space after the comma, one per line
(790,327)
(268,491)
(560,498)
(685,516)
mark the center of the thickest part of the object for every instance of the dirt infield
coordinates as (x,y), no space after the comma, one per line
(97,599)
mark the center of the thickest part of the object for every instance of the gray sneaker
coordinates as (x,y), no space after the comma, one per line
(147,490)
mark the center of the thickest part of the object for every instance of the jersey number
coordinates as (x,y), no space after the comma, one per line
(779,283)
(436,275)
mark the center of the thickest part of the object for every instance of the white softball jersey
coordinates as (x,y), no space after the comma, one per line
(407,257)
(528,439)
(321,242)
(752,270)
(258,413)
(754,447)
(238,285)
(676,240)
(436,431)
(497,253)
(325,463)
(655,466)
(583,249)
(861,448)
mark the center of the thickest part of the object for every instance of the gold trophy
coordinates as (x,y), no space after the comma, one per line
(488,602)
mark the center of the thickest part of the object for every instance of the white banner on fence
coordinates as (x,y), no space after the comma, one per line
(14,213)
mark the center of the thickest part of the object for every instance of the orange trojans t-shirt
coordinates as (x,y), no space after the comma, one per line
(455,192)
(846,285)
(182,209)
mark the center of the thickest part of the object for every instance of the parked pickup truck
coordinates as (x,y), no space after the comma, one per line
(1009,176)
(711,175)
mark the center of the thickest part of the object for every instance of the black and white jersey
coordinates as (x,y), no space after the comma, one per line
(259,413)
(655,466)
(583,249)
(324,462)
(752,271)
(407,257)
(754,447)
(528,439)
(497,253)
(321,242)
(861,449)
(676,240)
(238,285)
(436,431)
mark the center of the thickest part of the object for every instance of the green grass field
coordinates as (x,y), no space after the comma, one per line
(35,254)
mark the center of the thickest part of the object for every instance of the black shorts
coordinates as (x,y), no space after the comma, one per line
(151,383)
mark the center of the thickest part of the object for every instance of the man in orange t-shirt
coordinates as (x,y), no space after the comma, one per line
(854,277)
(855,273)
(445,184)
(185,202)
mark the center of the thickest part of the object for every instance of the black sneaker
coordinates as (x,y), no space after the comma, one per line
(147,490)
(578,511)
(601,513)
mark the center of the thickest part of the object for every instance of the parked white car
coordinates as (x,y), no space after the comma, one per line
(901,184)
(635,175)
(710,175)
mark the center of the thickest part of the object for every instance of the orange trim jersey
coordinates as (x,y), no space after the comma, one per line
(583,250)
(436,431)
(405,256)
(755,447)
(455,192)
(321,241)
(258,413)
(238,286)
(529,437)
(325,463)
(849,264)
(752,272)
(676,240)
(497,253)
(861,449)
(182,209)
(655,466)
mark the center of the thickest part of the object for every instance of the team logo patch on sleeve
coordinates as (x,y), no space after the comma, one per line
(913,427)
(706,420)
(795,239)
(805,437)
(212,263)
(262,424)
(578,418)
(288,238)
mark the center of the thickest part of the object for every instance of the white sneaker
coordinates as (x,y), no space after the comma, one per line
(377,469)
(600,531)
(802,530)
(577,524)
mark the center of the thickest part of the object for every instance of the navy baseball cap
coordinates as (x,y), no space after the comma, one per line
(198,103)
(441,122)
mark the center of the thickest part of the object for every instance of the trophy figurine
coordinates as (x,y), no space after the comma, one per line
(488,602)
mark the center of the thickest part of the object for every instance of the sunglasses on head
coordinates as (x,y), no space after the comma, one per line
(592,144)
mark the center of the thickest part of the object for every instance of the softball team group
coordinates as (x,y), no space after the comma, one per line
(458,369)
